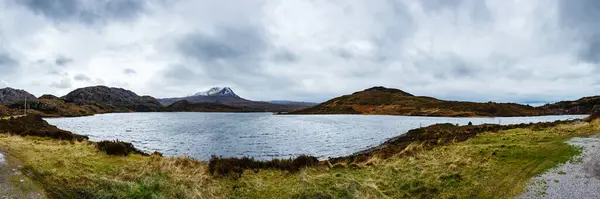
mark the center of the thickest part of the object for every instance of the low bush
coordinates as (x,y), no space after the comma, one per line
(118,148)
(236,166)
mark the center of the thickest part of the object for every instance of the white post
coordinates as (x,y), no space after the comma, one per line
(25,106)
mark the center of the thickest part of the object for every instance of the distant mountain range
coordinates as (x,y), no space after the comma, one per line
(102,99)
(226,96)
(376,100)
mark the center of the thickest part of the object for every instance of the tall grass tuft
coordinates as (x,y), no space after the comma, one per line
(235,166)
(118,148)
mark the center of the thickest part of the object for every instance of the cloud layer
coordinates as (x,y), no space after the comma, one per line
(510,51)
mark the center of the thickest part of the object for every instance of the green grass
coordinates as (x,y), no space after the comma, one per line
(491,165)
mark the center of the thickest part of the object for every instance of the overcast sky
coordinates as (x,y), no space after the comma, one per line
(311,50)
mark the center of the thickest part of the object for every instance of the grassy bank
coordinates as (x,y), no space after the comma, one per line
(489,165)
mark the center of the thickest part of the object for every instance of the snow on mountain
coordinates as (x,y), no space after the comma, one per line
(218,91)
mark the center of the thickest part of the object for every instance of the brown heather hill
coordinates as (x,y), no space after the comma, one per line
(389,101)
(581,106)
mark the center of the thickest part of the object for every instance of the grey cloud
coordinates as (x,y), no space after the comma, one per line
(398,25)
(53,71)
(581,18)
(62,60)
(99,81)
(343,53)
(285,56)
(129,71)
(63,83)
(476,9)
(7,64)
(446,66)
(228,43)
(232,53)
(441,4)
(120,84)
(82,77)
(86,11)
(178,72)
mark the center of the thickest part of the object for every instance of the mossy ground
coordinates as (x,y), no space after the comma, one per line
(490,165)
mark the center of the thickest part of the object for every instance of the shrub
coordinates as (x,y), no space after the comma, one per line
(236,166)
(118,148)
(34,125)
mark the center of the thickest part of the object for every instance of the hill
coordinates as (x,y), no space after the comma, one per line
(389,101)
(581,106)
(112,99)
(52,106)
(9,95)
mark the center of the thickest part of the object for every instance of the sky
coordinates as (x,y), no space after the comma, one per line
(532,51)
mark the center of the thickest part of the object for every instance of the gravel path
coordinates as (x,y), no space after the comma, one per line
(13,184)
(578,178)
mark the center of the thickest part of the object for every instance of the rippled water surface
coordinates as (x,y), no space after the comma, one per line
(258,135)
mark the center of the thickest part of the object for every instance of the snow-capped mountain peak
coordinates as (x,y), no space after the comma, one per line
(218,91)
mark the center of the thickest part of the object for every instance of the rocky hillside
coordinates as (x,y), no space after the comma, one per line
(9,95)
(389,101)
(112,99)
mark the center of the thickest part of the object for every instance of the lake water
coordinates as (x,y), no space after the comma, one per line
(259,135)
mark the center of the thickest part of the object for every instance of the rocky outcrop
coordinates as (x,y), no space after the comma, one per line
(10,95)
